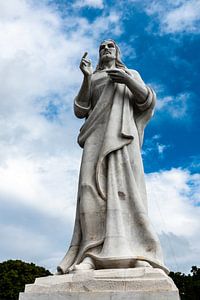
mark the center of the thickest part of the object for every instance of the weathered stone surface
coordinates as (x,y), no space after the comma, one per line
(113,284)
(112,227)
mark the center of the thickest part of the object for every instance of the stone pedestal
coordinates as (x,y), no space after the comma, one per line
(108,284)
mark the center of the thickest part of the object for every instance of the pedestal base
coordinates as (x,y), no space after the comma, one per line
(107,284)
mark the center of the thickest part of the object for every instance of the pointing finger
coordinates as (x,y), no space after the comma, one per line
(85,54)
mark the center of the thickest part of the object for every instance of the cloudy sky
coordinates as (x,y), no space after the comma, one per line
(41,43)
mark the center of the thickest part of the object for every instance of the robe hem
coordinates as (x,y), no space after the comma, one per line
(104,262)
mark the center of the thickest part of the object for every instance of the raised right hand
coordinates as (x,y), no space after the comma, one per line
(86,65)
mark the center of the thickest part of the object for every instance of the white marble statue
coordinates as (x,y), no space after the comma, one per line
(112,227)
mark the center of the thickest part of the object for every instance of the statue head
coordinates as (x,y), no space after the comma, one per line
(108,50)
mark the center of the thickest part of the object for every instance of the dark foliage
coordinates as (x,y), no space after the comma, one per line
(14,274)
(188,285)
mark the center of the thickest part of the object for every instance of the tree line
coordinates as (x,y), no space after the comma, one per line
(188,285)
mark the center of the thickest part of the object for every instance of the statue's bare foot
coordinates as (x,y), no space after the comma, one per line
(59,271)
(86,264)
(142,264)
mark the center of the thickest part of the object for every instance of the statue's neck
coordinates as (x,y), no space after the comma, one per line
(110,64)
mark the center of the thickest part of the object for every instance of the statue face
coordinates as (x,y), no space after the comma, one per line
(107,51)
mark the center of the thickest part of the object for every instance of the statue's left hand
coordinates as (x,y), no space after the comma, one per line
(119,76)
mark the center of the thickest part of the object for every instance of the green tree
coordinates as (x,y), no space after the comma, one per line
(196,282)
(14,274)
(188,285)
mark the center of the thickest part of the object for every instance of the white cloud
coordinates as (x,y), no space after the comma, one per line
(38,246)
(153,146)
(89,3)
(127,50)
(183,18)
(176,16)
(176,204)
(41,183)
(177,107)
(161,148)
(172,195)
(22,241)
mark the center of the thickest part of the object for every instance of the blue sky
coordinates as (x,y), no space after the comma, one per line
(42,43)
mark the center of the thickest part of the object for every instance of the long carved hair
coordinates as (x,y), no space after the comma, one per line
(118,63)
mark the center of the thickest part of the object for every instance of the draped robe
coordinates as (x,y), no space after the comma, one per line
(112,224)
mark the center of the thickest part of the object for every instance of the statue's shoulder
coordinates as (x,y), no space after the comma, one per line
(94,75)
(134,73)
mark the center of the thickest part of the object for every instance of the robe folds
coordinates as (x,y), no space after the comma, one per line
(112,224)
